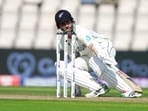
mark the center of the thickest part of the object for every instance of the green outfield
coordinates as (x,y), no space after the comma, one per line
(44,99)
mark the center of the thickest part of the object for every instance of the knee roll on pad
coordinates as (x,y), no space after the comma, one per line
(108,74)
(97,65)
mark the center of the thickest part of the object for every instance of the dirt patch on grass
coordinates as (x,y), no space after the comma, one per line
(103,99)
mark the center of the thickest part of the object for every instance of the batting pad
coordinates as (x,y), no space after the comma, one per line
(109,74)
(82,78)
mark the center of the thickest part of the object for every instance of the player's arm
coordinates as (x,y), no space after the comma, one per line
(94,46)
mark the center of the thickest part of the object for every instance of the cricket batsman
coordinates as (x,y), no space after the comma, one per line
(97,54)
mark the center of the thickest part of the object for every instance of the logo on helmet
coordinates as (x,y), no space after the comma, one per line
(60,15)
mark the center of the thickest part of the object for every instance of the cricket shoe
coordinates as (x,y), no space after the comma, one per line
(132,94)
(99,92)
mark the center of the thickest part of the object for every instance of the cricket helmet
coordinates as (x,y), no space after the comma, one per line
(62,16)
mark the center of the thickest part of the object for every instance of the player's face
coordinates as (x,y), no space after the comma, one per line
(66,26)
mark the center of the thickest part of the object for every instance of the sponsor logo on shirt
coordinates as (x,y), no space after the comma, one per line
(88,38)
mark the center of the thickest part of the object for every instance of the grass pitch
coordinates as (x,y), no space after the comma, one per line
(44,99)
